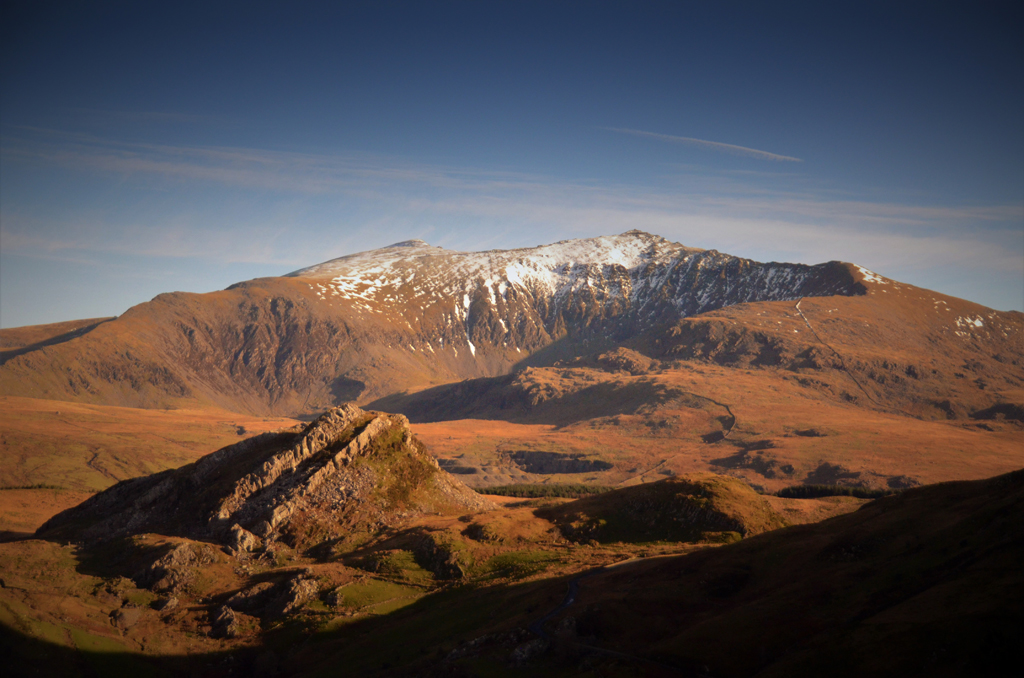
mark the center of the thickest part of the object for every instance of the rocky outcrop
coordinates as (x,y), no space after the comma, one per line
(177,570)
(345,469)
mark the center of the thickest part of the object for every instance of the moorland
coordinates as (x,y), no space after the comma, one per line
(617,456)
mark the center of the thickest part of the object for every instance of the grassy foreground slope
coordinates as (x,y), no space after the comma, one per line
(387,597)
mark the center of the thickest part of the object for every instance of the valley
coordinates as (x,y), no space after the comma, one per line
(320,470)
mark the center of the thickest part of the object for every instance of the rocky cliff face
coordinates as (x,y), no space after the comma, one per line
(347,470)
(521,300)
(399,319)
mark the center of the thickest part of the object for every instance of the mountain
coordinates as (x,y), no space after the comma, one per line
(678,390)
(613,360)
(411,316)
(394,319)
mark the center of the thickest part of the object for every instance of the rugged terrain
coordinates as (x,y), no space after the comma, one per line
(686,576)
(649,404)
(775,394)
(613,360)
(317,528)
(347,471)
(396,319)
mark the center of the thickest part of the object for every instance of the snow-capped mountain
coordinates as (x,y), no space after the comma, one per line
(410,316)
(524,297)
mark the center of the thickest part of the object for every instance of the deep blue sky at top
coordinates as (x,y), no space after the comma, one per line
(147,147)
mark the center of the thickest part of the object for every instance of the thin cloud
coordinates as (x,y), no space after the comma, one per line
(704,143)
(323,205)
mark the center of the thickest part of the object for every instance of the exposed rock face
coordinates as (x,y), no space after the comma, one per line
(225,623)
(347,468)
(177,570)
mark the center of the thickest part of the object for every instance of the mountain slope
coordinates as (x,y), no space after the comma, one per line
(924,583)
(398,319)
(897,348)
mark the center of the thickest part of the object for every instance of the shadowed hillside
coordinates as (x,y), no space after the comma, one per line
(926,582)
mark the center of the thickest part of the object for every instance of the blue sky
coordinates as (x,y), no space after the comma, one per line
(189,146)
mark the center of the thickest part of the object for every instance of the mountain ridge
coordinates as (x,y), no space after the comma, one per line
(412,316)
(294,344)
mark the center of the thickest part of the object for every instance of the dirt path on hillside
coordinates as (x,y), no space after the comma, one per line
(839,355)
(96,467)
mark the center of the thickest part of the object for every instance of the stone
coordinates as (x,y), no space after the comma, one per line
(242,539)
(225,623)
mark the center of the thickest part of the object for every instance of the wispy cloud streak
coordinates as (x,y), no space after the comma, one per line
(704,143)
(291,209)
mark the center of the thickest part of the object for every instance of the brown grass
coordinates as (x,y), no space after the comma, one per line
(23,511)
(90,447)
(774,411)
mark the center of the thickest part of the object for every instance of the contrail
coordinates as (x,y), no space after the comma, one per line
(713,145)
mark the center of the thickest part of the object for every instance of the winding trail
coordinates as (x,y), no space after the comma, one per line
(834,351)
(95,467)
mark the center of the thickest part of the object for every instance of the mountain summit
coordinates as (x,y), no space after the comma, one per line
(410,316)
(523,299)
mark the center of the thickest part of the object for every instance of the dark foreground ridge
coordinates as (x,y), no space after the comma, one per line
(926,582)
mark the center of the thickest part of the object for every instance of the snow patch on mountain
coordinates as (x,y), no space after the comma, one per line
(871,276)
(634,278)
(551,270)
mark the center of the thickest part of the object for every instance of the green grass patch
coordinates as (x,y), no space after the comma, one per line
(397,565)
(374,592)
(140,597)
(108,657)
(519,564)
(403,564)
